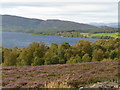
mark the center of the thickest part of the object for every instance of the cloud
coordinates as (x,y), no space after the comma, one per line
(74,10)
(52,3)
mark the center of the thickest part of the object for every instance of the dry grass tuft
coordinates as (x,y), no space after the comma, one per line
(57,85)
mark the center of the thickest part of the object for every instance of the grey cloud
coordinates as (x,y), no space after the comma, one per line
(89,12)
(50,4)
(81,14)
(75,14)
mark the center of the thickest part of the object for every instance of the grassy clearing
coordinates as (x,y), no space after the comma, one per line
(57,76)
(107,34)
(89,35)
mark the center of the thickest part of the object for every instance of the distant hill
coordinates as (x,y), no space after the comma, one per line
(21,24)
(113,25)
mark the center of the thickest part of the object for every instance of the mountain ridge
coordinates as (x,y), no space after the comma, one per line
(23,24)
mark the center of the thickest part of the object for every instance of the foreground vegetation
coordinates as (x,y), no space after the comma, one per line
(78,65)
(59,76)
(83,51)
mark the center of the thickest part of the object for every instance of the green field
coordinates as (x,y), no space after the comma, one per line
(106,34)
(114,35)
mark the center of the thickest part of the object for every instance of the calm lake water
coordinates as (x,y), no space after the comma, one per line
(21,40)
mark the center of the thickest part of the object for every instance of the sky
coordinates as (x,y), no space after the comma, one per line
(82,11)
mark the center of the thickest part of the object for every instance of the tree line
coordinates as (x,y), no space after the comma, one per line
(83,35)
(40,54)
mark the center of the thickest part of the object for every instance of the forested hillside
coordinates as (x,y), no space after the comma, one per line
(21,24)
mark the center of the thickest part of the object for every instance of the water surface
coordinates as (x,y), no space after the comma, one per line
(21,40)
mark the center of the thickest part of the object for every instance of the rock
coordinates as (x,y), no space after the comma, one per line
(104,85)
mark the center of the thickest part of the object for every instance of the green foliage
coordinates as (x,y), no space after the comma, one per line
(10,58)
(86,58)
(83,51)
(85,46)
(52,60)
(98,55)
(38,61)
(113,54)
(25,58)
(1,56)
(75,59)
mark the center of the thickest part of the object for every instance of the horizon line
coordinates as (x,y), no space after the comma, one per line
(57,19)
